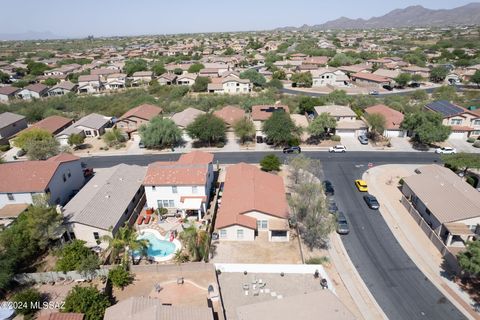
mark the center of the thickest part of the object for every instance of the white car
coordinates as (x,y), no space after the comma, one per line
(337,148)
(446,150)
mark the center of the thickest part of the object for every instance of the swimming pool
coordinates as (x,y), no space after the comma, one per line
(159,248)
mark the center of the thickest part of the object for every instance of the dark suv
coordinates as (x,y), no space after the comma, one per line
(294,149)
(328,188)
(371,201)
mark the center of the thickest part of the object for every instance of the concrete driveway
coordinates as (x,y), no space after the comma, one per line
(462,145)
(353,144)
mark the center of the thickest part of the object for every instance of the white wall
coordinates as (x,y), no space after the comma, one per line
(63,190)
(248,234)
(25,197)
(85,233)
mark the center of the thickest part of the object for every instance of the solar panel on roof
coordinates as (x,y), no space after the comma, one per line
(444,107)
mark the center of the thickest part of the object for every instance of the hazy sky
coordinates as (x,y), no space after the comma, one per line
(133,17)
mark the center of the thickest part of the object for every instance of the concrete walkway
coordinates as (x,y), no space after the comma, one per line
(382,182)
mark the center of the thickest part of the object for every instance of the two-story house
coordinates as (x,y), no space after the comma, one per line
(260,113)
(115,81)
(464,123)
(252,202)
(347,123)
(89,84)
(328,77)
(230,85)
(56,178)
(10,124)
(183,186)
(134,118)
(142,78)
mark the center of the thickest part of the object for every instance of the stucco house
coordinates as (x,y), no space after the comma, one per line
(323,77)
(89,84)
(36,91)
(57,178)
(393,119)
(115,81)
(230,85)
(464,123)
(142,77)
(167,79)
(186,79)
(10,124)
(347,123)
(260,113)
(92,125)
(252,202)
(62,88)
(366,79)
(181,186)
(112,197)
(449,205)
(8,93)
(230,114)
(131,120)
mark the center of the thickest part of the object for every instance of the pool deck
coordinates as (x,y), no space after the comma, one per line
(156,233)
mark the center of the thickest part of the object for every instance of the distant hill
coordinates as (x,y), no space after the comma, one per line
(413,16)
(30,35)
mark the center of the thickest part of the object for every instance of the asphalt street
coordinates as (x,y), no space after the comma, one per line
(399,287)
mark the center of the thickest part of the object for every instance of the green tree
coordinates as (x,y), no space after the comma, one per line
(207,128)
(76,139)
(4,78)
(427,126)
(244,129)
(438,74)
(195,68)
(377,123)
(279,74)
(321,125)
(419,95)
(229,52)
(36,68)
(403,79)
(29,299)
(113,137)
(302,79)
(464,161)
(42,149)
(178,71)
(417,78)
(196,243)
(120,276)
(254,76)
(160,133)
(308,104)
(72,255)
(34,134)
(430,133)
(270,163)
(134,65)
(445,93)
(280,129)
(469,259)
(124,243)
(201,84)
(158,68)
(476,78)
(87,300)
(51,82)
(274,83)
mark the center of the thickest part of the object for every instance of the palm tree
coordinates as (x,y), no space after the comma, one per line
(124,243)
(196,242)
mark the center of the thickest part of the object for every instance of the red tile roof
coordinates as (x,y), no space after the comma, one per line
(61,316)
(30,176)
(52,124)
(246,189)
(230,114)
(393,118)
(143,111)
(370,77)
(190,169)
(260,112)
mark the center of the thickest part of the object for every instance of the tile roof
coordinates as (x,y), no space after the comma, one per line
(52,124)
(141,308)
(246,189)
(446,195)
(66,85)
(143,74)
(393,118)
(37,87)
(335,111)
(103,200)
(370,77)
(187,116)
(89,77)
(8,90)
(230,114)
(12,210)
(30,176)
(143,111)
(7,118)
(61,316)
(264,112)
(92,121)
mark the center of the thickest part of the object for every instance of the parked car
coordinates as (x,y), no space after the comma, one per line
(328,188)
(141,145)
(332,207)
(87,172)
(342,224)
(294,149)
(446,150)
(361,185)
(373,93)
(387,87)
(21,153)
(371,201)
(414,85)
(338,148)
(363,139)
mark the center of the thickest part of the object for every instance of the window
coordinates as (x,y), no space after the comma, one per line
(223,234)
(194,189)
(64,177)
(428,211)
(88,133)
(262,224)
(165,203)
(160,203)
(174,189)
(240,234)
(153,188)
(96,236)
(10,196)
(476,122)
(69,174)
(126,211)
(456,121)
(171,203)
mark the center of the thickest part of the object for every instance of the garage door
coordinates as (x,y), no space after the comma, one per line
(345,133)
(458,135)
(186,137)
(136,136)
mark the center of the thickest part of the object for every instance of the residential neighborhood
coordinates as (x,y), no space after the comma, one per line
(320,164)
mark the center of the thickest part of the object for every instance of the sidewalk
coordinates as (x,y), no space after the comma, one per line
(382,182)
(352,281)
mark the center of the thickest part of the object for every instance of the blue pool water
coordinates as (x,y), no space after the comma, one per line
(157,247)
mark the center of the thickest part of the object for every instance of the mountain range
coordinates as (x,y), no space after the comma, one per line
(413,16)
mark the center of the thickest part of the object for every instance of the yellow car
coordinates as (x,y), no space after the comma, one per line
(361,185)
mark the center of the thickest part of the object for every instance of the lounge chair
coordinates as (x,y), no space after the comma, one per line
(140,220)
(147,220)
